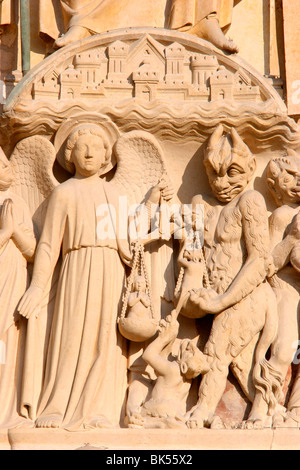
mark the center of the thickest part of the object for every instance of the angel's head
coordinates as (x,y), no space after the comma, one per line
(229,164)
(6,175)
(283,179)
(88,151)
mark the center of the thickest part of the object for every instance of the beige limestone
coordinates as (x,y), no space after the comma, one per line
(156,333)
(155,439)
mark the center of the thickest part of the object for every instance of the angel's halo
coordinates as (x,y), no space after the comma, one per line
(63,133)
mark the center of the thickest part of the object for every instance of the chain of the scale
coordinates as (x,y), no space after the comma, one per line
(205,273)
(198,246)
(179,282)
(138,266)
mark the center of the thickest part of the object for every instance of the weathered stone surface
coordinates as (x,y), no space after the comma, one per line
(149,226)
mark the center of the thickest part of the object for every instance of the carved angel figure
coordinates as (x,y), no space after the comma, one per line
(17,247)
(236,242)
(86,366)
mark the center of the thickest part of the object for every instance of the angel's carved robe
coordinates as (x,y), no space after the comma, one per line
(102,15)
(86,365)
(13,283)
(186,13)
(99,15)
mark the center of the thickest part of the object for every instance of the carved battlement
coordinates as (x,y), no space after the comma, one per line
(146,70)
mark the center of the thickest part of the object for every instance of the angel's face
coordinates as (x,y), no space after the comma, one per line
(88,155)
(6,176)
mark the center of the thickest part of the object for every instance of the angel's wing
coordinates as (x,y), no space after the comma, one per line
(140,164)
(32,163)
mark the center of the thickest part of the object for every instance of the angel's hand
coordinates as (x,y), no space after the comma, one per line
(31,302)
(6,218)
(163,189)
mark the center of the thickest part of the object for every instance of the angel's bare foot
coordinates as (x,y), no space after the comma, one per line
(49,421)
(75,33)
(209,29)
(99,422)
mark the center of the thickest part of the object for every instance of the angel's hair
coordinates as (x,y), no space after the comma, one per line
(81,130)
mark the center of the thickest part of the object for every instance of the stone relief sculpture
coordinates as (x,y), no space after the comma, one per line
(17,248)
(121,322)
(78,384)
(203,282)
(238,266)
(83,252)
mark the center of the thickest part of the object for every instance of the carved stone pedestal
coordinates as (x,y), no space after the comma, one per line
(154,439)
